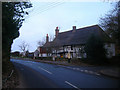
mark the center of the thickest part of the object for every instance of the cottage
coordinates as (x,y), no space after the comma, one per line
(74,41)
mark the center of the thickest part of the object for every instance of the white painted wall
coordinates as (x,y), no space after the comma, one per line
(44,55)
(76,53)
(110,47)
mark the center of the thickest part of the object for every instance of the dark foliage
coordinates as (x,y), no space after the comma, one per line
(15,54)
(95,49)
(44,58)
(111,23)
(13,15)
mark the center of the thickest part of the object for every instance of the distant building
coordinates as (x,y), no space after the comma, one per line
(36,54)
(74,41)
(15,54)
(23,54)
(30,54)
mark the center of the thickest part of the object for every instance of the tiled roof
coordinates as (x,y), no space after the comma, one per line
(79,36)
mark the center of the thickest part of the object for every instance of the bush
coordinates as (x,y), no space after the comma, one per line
(115,61)
(95,50)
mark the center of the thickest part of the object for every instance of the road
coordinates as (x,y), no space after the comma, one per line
(42,75)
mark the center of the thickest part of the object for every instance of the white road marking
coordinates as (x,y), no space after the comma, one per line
(81,70)
(97,74)
(86,70)
(77,69)
(74,68)
(91,72)
(45,70)
(69,67)
(72,85)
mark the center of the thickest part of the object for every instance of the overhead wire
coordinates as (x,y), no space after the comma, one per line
(36,10)
(48,7)
(45,6)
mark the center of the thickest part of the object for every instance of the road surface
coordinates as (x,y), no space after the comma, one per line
(42,75)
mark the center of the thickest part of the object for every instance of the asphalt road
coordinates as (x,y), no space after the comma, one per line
(42,75)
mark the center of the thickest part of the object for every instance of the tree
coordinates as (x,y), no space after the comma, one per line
(41,42)
(13,15)
(95,50)
(24,47)
(111,23)
(27,53)
(51,37)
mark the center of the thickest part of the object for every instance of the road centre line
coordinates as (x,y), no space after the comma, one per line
(72,85)
(45,70)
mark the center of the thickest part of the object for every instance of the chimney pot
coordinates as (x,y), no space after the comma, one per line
(56,27)
(74,27)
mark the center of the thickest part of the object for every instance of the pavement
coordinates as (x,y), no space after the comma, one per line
(113,72)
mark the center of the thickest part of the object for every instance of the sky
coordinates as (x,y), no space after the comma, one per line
(44,17)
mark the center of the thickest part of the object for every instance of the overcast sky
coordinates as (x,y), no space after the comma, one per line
(44,17)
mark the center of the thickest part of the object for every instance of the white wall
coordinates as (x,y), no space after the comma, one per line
(110,49)
(45,55)
(76,53)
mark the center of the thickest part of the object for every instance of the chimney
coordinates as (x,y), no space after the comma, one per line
(47,38)
(56,32)
(74,28)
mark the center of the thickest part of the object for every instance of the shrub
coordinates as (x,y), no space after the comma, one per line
(95,50)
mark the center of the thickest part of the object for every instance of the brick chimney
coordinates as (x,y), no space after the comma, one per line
(56,32)
(74,28)
(47,38)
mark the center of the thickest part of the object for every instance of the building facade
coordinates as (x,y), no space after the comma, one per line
(74,41)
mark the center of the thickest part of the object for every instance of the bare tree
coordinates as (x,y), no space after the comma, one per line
(24,46)
(41,42)
(111,23)
(51,37)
